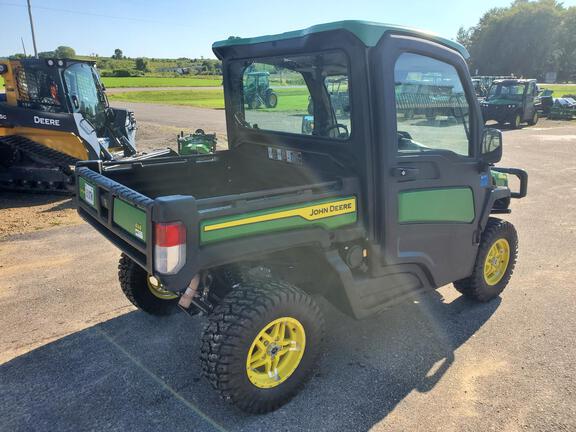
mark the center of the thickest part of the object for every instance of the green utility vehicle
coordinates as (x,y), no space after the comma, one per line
(512,101)
(258,92)
(197,143)
(363,211)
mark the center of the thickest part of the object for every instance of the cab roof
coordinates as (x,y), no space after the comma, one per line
(369,33)
(512,81)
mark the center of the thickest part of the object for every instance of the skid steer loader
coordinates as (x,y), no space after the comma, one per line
(53,114)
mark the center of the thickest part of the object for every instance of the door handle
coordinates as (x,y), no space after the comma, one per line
(405,173)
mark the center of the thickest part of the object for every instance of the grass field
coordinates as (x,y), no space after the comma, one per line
(195,81)
(289,99)
(560,90)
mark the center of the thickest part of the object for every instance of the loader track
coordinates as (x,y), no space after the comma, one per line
(44,170)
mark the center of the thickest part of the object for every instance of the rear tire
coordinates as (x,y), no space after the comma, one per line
(236,341)
(141,292)
(490,276)
(534,119)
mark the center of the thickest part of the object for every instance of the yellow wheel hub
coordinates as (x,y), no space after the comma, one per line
(155,288)
(276,352)
(496,261)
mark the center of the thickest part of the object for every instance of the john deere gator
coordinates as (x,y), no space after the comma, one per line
(363,209)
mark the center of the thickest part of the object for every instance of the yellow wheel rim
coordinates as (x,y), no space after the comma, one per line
(155,288)
(276,352)
(496,261)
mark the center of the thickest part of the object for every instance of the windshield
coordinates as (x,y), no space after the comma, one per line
(506,91)
(85,93)
(300,94)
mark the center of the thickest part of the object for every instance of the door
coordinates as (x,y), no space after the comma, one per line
(530,98)
(428,130)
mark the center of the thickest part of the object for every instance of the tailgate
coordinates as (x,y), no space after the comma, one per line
(120,214)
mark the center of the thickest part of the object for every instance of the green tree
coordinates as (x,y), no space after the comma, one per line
(64,52)
(118,54)
(142,64)
(521,39)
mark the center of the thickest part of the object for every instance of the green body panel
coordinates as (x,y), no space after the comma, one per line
(280,224)
(436,205)
(499,179)
(130,218)
(83,186)
(369,33)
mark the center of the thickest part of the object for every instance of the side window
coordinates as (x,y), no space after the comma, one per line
(432,112)
(275,98)
(299,94)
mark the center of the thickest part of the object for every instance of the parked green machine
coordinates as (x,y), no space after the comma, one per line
(197,143)
(511,101)
(363,211)
(258,92)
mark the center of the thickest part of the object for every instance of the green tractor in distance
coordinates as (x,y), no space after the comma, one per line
(258,91)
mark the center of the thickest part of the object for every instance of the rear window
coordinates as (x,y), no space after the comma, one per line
(304,94)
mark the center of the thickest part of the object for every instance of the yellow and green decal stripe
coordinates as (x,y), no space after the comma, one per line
(329,214)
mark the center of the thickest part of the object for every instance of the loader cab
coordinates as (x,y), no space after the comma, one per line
(413,135)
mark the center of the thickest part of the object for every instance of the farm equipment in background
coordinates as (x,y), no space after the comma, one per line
(337,88)
(258,92)
(479,88)
(563,109)
(546,101)
(54,114)
(512,101)
(196,143)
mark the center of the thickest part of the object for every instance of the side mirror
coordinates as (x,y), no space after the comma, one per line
(491,146)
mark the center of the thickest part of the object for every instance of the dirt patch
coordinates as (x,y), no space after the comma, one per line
(21,213)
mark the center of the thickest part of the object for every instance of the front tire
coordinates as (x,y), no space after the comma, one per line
(516,121)
(271,100)
(143,291)
(261,343)
(495,262)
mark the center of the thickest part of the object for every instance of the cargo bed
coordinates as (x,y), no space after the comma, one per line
(228,214)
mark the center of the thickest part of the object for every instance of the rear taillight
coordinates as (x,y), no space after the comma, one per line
(169,247)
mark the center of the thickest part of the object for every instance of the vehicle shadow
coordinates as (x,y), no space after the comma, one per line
(22,199)
(137,372)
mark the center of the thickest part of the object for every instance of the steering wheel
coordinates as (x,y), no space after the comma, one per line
(346,133)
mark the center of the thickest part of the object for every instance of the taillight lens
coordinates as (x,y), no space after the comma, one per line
(169,247)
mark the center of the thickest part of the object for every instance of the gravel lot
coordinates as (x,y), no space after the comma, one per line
(75,355)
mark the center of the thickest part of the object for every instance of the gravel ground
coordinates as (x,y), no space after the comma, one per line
(75,355)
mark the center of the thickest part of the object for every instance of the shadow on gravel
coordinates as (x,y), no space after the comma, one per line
(23,199)
(142,373)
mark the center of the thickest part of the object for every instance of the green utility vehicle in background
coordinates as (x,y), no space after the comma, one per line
(363,210)
(258,92)
(512,101)
(197,143)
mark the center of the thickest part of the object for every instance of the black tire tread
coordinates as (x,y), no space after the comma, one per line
(227,325)
(133,284)
(474,286)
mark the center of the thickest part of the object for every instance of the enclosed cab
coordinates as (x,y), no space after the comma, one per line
(512,101)
(392,194)
(55,113)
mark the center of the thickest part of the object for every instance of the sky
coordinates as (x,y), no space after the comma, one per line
(172,29)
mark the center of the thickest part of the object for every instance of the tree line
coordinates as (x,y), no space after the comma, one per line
(527,39)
